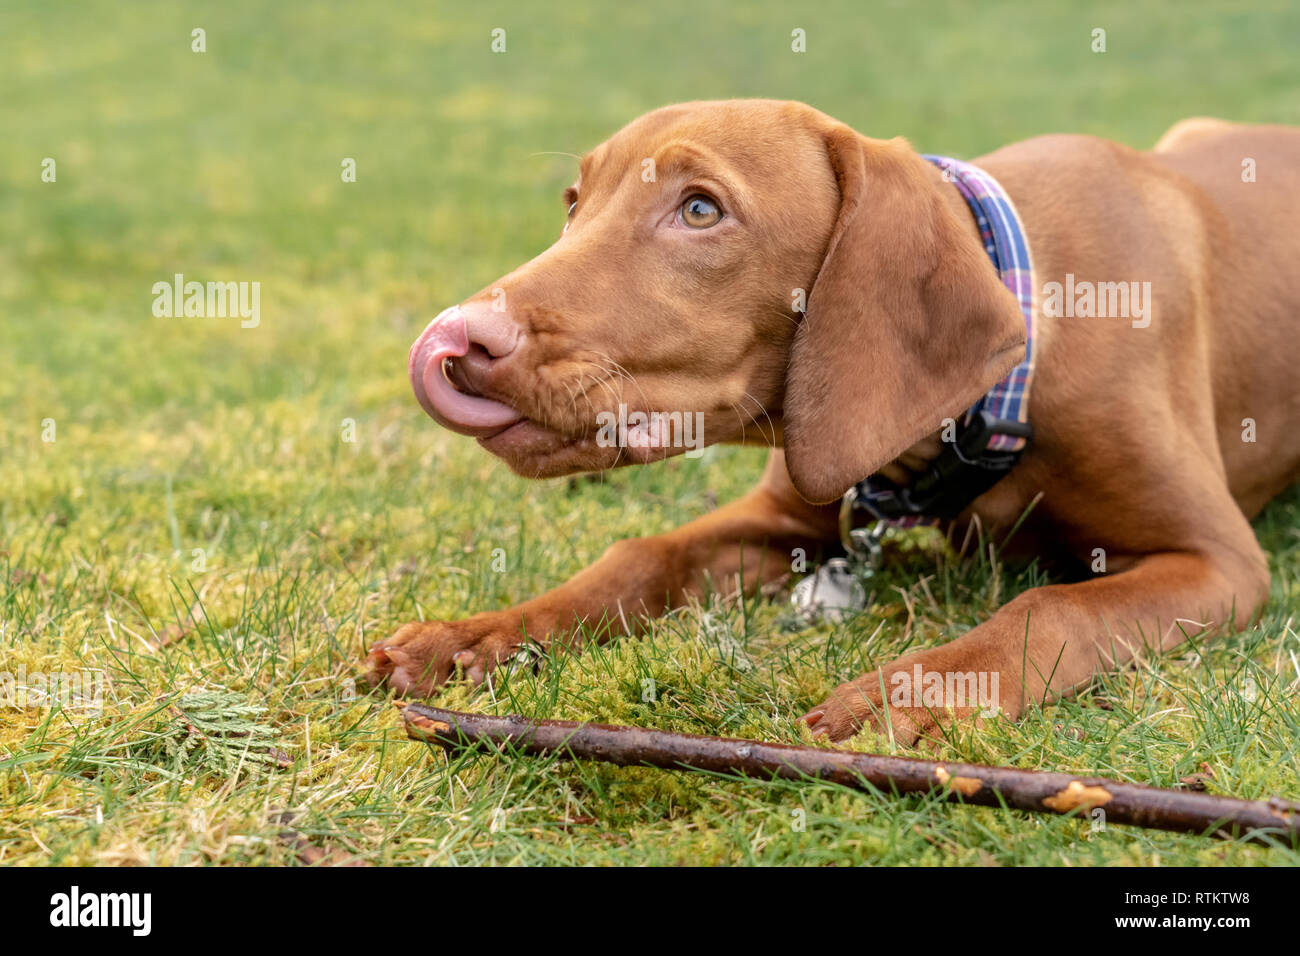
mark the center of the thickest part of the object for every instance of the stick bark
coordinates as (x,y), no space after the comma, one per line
(1274,821)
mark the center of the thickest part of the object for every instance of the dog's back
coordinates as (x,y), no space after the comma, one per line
(1249,180)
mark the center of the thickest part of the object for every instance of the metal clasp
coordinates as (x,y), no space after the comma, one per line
(861,544)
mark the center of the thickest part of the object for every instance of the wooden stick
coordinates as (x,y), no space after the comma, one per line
(1268,822)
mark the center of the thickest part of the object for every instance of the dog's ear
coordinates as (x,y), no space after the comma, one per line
(907,322)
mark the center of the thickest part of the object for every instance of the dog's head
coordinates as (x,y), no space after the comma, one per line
(731,271)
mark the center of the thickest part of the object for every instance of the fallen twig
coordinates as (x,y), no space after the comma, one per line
(1269,821)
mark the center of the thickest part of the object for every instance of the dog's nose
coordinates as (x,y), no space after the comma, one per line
(489,328)
(476,336)
(491,336)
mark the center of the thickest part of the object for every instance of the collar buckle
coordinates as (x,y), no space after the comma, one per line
(861,544)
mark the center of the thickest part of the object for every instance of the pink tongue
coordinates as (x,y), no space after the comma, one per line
(448,337)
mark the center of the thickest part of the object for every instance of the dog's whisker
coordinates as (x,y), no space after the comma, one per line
(771,440)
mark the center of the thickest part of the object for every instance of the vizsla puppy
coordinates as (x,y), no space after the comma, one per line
(677,286)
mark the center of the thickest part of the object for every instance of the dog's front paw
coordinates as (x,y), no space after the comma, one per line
(918,696)
(424,655)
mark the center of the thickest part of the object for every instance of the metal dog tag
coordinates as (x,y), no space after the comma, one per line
(830,592)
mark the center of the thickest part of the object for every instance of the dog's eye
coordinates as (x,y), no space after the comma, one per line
(701,212)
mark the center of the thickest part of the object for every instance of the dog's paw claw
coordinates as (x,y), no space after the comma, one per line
(813,716)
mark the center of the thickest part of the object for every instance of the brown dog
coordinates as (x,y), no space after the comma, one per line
(1155,441)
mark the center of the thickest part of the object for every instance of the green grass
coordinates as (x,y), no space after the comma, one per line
(181,434)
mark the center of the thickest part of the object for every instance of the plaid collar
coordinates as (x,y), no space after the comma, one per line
(1004,240)
(995,429)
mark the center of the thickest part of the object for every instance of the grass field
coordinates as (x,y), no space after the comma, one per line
(199,465)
